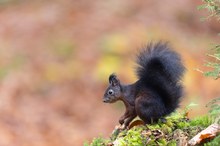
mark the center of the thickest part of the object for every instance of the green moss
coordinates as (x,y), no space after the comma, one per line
(97,142)
(153,127)
(162,142)
(182,124)
(166,128)
(203,121)
(161,133)
(214,142)
(133,137)
(172,143)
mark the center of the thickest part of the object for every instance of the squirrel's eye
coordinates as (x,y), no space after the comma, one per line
(110,92)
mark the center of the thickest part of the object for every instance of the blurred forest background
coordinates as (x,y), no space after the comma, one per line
(56,56)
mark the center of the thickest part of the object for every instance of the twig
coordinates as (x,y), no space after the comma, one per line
(213,56)
(199,70)
(207,133)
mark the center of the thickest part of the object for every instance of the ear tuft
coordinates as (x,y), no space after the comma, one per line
(113,80)
(111,77)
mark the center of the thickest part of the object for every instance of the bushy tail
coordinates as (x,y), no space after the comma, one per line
(161,69)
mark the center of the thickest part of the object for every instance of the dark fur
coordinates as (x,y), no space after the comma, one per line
(158,91)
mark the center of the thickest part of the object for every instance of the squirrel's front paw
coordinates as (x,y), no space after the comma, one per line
(120,127)
(121,121)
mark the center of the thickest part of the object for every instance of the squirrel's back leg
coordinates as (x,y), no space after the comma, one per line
(149,108)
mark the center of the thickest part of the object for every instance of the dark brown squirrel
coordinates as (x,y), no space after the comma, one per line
(158,90)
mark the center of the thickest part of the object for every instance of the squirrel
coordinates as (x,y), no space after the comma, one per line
(158,90)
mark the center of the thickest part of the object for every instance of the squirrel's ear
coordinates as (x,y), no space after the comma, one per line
(113,80)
